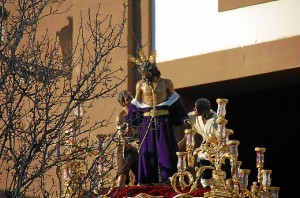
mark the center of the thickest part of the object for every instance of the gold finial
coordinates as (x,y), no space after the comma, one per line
(152,57)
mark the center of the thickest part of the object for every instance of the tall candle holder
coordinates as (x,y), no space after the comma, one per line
(184,177)
(73,158)
(219,148)
(103,178)
(190,144)
(72,171)
(106,179)
(74,167)
(260,160)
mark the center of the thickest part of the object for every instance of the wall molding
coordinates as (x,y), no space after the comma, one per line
(225,5)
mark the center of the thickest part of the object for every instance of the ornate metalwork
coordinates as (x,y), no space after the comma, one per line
(218,148)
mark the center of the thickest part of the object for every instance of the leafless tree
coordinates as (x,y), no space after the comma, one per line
(39,93)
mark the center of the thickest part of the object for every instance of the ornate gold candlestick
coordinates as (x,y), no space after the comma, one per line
(103,178)
(74,158)
(74,169)
(218,148)
(190,144)
(260,160)
(182,174)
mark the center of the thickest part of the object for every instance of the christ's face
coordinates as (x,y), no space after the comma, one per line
(147,75)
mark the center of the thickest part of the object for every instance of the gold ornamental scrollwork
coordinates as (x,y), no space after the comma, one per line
(218,148)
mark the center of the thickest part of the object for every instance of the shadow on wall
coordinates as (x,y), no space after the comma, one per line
(65,36)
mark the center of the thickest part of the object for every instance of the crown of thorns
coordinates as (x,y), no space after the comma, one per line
(142,58)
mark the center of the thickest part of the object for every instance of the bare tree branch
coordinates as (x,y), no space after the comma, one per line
(39,90)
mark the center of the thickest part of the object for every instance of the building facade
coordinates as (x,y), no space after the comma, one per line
(247,51)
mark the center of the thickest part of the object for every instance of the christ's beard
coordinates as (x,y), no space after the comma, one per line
(149,80)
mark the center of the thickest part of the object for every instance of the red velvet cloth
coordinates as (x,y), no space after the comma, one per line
(165,191)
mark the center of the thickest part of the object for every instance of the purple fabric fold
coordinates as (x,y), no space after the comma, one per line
(158,141)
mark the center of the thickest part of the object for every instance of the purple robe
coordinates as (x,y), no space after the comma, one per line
(157,155)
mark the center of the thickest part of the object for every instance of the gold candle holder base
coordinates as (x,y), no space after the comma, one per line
(217,193)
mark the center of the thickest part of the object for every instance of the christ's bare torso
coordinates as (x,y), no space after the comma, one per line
(156,93)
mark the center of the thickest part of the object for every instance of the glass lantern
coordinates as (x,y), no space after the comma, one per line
(266,178)
(244,174)
(221,128)
(190,138)
(260,157)
(181,163)
(274,191)
(221,107)
(233,148)
(228,133)
(236,172)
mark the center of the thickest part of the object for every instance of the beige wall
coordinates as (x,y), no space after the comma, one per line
(102,108)
(235,63)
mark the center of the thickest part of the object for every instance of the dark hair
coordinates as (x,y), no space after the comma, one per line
(121,96)
(147,66)
(202,105)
